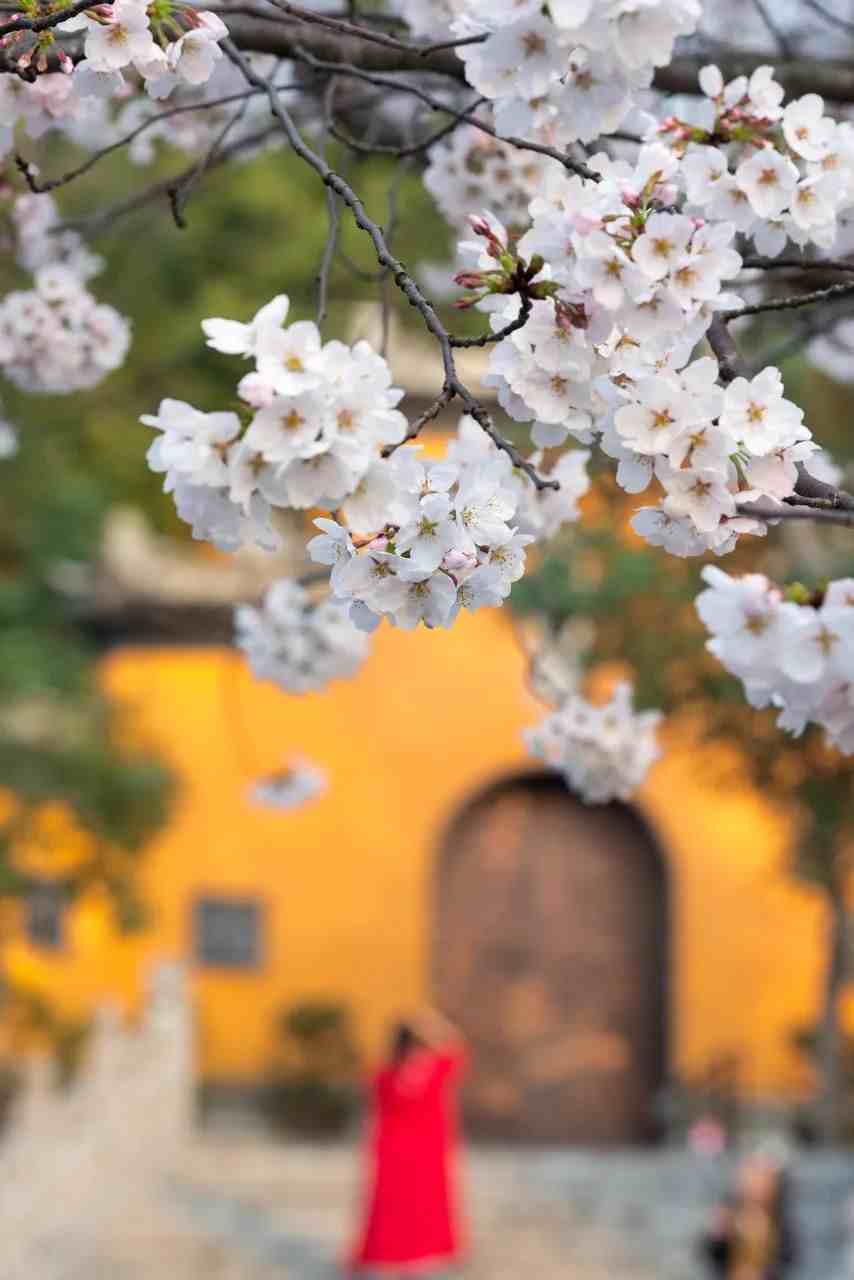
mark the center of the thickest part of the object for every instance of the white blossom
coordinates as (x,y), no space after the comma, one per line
(290,787)
(296,644)
(797,657)
(604,752)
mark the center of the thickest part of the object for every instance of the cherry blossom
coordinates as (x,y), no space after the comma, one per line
(458,537)
(290,787)
(298,645)
(797,656)
(604,752)
(316,420)
(598,283)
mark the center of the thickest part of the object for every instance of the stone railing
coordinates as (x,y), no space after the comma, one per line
(81,1157)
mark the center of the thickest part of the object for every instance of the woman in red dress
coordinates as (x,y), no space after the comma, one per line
(410,1218)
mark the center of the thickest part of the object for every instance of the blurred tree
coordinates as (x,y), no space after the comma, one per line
(61,741)
(641,606)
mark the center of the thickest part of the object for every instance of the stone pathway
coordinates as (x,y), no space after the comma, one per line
(245,1208)
(574,1215)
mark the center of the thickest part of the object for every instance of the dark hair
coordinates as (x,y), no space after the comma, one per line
(404,1039)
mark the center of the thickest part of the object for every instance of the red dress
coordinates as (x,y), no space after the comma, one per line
(410,1222)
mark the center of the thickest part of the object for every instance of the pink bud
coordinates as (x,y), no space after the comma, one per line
(480,226)
(379,543)
(584,223)
(458,560)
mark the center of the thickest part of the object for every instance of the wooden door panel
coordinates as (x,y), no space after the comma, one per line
(550,952)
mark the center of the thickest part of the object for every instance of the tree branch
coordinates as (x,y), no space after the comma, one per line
(301,54)
(833,499)
(807,486)
(92,224)
(796,264)
(833,80)
(780,37)
(50,20)
(453,386)
(180,191)
(821,515)
(486,338)
(832,19)
(791,304)
(37,186)
(726,352)
(280,37)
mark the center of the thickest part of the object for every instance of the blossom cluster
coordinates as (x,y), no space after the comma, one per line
(711,450)
(569,70)
(290,787)
(56,337)
(604,752)
(165,43)
(472,170)
(790,653)
(297,644)
(777,173)
(316,417)
(454,536)
(632,282)
(94,110)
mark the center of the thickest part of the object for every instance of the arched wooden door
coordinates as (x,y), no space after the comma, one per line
(551,954)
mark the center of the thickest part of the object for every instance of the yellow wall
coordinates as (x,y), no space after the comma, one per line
(432,717)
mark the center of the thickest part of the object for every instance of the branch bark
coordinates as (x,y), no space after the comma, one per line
(452,386)
(833,80)
(285,38)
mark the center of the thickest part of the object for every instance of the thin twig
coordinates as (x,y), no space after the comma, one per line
(50,20)
(346,28)
(452,384)
(346,68)
(94,223)
(392,222)
(37,186)
(486,338)
(333,215)
(409,149)
(791,304)
(453,44)
(443,399)
(798,264)
(832,19)
(179,193)
(820,515)
(782,40)
(797,338)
